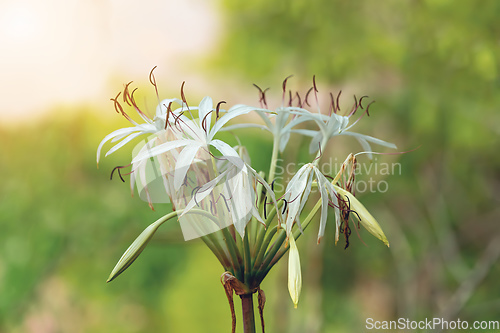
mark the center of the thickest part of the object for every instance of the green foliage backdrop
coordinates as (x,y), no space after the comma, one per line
(433,68)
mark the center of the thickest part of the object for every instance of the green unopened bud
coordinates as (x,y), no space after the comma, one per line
(294,273)
(135,249)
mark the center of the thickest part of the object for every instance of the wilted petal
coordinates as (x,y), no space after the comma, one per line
(366,219)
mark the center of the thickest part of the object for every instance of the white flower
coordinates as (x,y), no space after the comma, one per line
(298,191)
(285,119)
(294,272)
(335,124)
(171,130)
(127,134)
(232,193)
(193,136)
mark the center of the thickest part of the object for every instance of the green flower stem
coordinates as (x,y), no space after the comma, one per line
(262,230)
(248,313)
(248,260)
(263,247)
(253,226)
(264,267)
(228,235)
(234,253)
(212,242)
(296,235)
(274,160)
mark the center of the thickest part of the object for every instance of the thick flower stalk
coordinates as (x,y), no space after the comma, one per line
(217,196)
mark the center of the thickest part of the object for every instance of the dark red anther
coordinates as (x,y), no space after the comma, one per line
(218,108)
(332,104)
(119,173)
(284,87)
(183,97)
(299,100)
(307,95)
(126,94)
(368,107)
(338,98)
(360,100)
(262,97)
(284,206)
(169,110)
(118,107)
(204,121)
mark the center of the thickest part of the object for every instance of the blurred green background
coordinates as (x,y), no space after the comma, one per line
(433,69)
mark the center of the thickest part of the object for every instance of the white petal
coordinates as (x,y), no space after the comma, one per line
(206,105)
(235,111)
(305,132)
(284,140)
(238,126)
(160,149)
(161,109)
(123,142)
(203,192)
(371,139)
(228,152)
(294,195)
(324,202)
(315,142)
(121,131)
(184,162)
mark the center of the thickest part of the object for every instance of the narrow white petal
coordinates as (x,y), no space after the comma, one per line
(160,149)
(284,140)
(123,142)
(235,111)
(228,152)
(206,105)
(238,126)
(305,132)
(203,192)
(161,109)
(315,142)
(184,162)
(119,132)
(322,181)
(371,139)
(294,196)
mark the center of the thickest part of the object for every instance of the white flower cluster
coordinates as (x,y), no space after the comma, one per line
(199,171)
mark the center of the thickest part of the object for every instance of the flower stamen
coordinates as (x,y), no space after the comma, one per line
(119,173)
